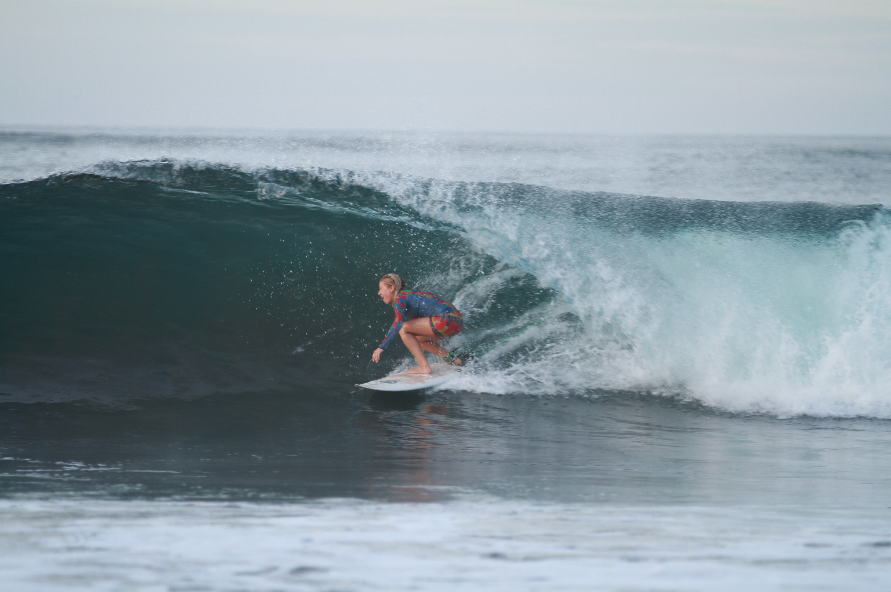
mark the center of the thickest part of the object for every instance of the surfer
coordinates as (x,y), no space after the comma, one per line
(422,318)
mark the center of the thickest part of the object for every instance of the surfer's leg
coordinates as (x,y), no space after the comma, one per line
(429,344)
(444,327)
(411,333)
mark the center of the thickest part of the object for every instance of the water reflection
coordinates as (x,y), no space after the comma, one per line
(407,427)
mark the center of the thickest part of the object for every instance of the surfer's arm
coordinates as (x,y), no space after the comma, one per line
(401,310)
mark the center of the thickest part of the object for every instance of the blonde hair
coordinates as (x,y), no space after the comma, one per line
(391,279)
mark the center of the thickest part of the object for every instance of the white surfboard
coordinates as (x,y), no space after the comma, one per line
(412,382)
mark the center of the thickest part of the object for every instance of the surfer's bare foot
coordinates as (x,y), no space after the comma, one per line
(419,370)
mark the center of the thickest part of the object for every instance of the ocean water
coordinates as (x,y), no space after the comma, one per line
(685,383)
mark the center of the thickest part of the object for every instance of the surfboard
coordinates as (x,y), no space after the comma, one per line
(412,382)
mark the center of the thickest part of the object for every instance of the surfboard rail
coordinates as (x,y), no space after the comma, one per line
(439,373)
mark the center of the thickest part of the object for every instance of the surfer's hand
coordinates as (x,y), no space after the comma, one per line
(376,356)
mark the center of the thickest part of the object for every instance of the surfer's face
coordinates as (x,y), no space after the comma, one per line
(387,293)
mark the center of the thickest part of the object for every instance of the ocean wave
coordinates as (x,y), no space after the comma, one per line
(187,278)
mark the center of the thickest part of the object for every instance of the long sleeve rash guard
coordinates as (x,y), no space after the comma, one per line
(414,304)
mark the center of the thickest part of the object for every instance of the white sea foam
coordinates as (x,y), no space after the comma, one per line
(463,545)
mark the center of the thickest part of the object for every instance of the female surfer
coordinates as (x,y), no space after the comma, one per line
(421,319)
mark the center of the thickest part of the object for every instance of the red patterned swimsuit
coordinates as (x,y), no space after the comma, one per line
(445,319)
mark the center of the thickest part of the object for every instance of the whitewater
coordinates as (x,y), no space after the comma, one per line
(685,383)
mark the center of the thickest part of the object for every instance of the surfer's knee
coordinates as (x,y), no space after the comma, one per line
(407,335)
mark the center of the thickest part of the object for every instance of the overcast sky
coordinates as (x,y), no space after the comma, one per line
(624,66)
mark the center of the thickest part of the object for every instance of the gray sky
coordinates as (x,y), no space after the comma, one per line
(624,66)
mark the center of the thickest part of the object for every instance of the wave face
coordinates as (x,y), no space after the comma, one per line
(169,278)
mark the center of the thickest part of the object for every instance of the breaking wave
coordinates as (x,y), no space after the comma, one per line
(174,278)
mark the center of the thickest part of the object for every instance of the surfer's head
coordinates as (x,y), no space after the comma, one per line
(390,285)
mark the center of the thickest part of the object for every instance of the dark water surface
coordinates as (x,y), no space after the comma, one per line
(619,447)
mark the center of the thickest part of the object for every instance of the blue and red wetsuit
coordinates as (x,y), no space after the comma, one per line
(445,319)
